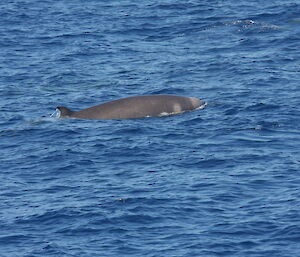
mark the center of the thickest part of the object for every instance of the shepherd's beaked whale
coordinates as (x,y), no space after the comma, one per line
(136,107)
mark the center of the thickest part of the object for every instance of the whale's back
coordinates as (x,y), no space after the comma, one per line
(136,107)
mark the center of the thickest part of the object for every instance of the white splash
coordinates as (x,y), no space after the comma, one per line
(56,114)
(202,106)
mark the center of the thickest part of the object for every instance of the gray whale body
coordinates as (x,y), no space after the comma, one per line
(136,107)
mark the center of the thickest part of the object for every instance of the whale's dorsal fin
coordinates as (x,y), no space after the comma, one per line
(64,112)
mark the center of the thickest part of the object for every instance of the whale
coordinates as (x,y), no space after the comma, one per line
(135,107)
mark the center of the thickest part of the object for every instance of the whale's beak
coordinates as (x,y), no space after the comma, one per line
(64,112)
(197,103)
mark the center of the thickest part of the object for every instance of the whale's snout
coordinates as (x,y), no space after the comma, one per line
(196,102)
(63,112)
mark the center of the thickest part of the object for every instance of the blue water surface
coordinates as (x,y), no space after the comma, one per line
(222,181)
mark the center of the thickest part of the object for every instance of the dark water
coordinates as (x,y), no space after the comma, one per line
(222,181)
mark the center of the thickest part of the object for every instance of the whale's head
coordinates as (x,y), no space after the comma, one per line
(197,103)
(64,112)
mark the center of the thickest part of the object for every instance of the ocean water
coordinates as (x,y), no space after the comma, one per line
(222,181)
